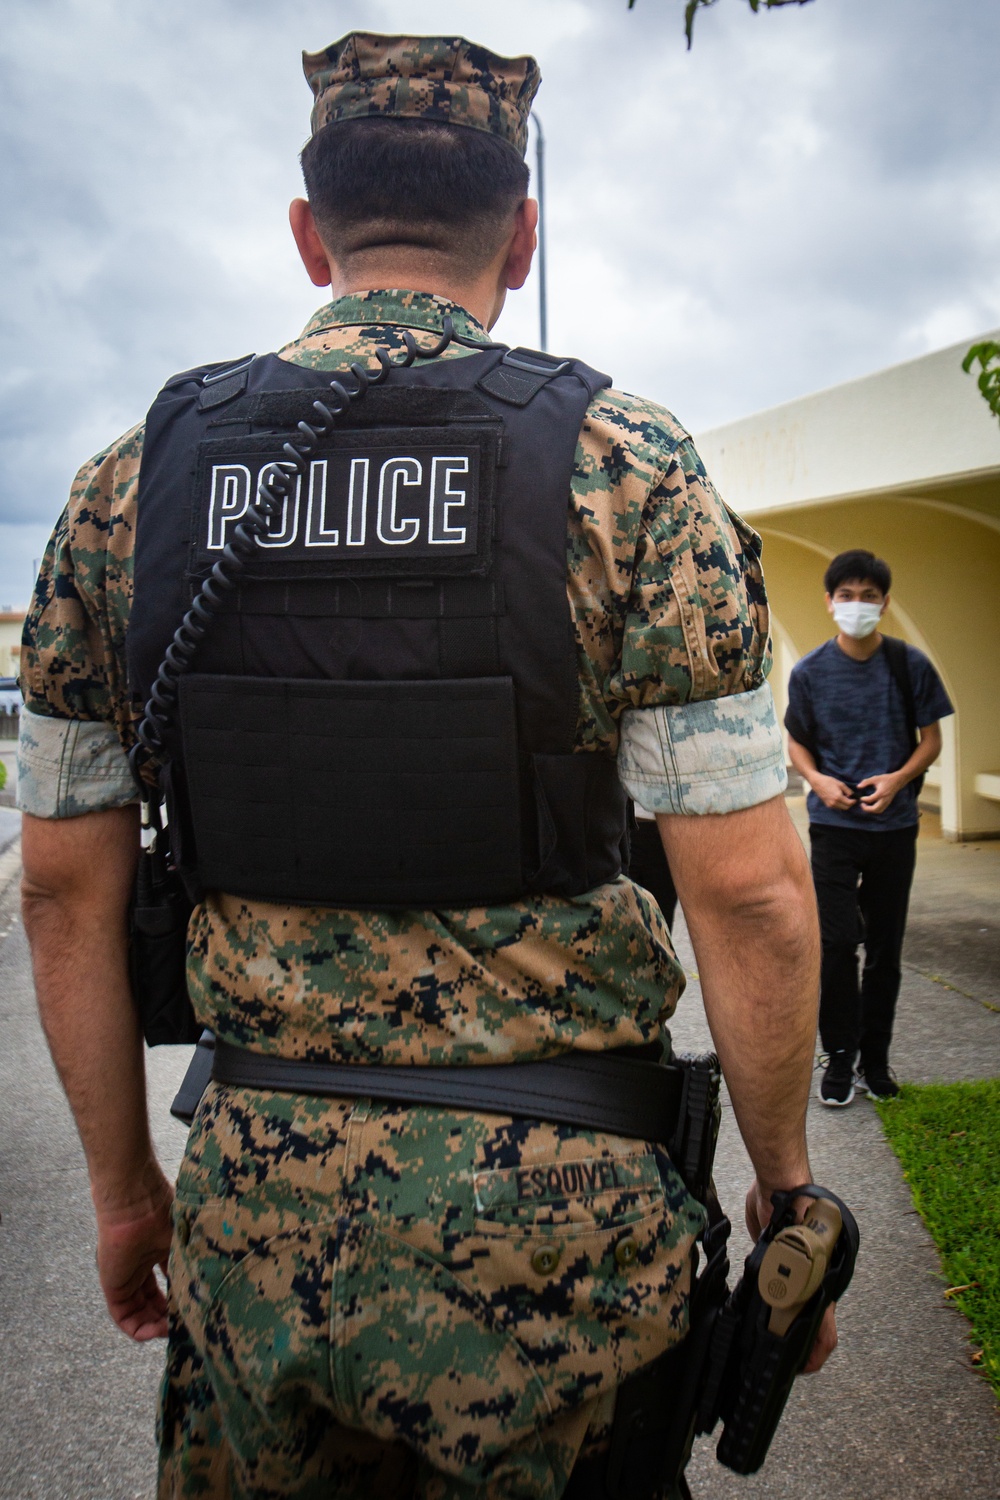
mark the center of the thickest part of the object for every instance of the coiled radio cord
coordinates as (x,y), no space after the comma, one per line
(274,491)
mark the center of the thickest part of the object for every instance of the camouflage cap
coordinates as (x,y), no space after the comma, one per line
(365,75)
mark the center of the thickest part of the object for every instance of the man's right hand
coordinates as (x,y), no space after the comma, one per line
(831,792)
(132,1241)
(758,1213)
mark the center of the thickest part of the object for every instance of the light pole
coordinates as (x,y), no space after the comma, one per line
(543,306)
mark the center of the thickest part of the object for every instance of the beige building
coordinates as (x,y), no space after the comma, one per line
(905,462)
(11,625)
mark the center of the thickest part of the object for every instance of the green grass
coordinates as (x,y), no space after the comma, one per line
(947,1137)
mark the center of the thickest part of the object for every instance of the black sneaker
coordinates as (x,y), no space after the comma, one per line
(837,1085)
(878,1081)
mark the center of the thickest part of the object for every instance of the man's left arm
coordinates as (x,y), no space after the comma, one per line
(883,789)
(78,875)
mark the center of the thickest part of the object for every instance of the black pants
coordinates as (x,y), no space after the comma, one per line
(862,884)
(648,865)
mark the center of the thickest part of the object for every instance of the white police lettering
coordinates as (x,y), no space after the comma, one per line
(353,506)
(357,503)
(445,499)
(390,529)
(229,502)
(318,533)
(284,532)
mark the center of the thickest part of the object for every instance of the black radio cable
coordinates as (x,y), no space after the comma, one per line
(211,597)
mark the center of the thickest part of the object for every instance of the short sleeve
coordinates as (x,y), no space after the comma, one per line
(73,668)
(930,697)
(719,755)
(73,646)
(697,626)
(800,720)
(66,767)
(700,734)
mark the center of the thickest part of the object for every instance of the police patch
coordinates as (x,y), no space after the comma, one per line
(382,501)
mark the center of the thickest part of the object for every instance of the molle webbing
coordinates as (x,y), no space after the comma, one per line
(383,713)
(351,793)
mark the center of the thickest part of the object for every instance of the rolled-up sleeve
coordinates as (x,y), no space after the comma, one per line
(714,756)
(66,767)
(77,720)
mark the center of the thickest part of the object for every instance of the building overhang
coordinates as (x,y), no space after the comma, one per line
(913,430)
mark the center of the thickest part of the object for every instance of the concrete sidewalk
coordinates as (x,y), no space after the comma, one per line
(899,1413)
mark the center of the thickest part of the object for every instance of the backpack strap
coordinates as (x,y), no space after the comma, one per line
(799,731)
(898,661)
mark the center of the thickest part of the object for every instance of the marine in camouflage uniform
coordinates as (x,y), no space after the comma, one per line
(368,1297)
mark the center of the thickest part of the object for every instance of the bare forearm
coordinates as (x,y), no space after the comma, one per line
(802,759)
(86,1010)
(760,982)
(748,900)
(924,755)
(78,936)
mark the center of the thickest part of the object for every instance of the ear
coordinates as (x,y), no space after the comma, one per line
(829,603)
(885,605)
(521,249)
(310,246)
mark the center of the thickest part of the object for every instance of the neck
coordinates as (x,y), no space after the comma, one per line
(860,650)
(481,296)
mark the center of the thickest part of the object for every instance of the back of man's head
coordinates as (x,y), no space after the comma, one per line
(383,183)
(417,142)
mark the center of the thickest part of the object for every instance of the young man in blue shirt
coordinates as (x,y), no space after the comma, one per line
(863,722)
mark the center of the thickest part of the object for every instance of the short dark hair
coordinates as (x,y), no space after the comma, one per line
(445,188)
(857,566)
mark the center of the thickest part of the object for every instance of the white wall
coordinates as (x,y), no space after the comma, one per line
(910,424)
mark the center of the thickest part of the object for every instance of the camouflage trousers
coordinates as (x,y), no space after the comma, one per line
(378,1301)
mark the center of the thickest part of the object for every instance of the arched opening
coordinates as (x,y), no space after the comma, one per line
(945,562)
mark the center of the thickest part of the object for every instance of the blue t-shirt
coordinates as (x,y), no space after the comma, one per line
(856,718)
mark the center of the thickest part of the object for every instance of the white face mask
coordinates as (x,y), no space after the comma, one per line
(856,618)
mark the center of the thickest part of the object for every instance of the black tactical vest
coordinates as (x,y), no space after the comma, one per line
(384,713)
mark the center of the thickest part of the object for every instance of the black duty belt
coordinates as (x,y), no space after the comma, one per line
(593,1090)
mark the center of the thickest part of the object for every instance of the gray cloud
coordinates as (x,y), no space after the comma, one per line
(807,195)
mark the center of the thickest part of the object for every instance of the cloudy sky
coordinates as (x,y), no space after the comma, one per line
(806,196)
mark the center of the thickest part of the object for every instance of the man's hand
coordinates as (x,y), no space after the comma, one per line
(883,790)
(758,1214)
(77,881)
(887,786)
(132,1240)
(831,792)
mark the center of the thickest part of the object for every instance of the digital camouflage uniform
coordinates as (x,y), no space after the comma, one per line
(369,1297)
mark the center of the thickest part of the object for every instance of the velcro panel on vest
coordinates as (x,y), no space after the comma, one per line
(219,390)
(354,793)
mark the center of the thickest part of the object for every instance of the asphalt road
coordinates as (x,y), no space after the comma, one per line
(899,1413)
